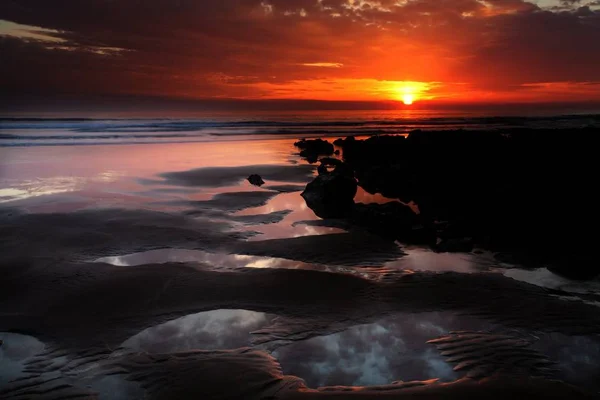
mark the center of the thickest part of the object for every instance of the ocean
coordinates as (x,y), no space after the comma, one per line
(221,127)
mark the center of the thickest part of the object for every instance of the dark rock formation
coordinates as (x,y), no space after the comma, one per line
(341,142)
(331,194)
(523,192)
(322,169)
(256,180)
(393,220)
(312,149)
(329,161)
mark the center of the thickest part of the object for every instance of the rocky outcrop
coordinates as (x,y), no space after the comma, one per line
(312,149)
(521,192)
(395,221)
(332,162)
(331,194)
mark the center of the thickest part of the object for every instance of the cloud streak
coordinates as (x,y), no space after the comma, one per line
(323,65)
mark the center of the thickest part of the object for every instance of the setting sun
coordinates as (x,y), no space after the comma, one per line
(408,99)
(408,92)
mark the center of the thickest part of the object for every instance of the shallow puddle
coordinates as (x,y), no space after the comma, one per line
(545,278)
(211,330)
(214,261)
(15,351)
(396,349)
(422,259)
(392,349)
(415,260)
(287,227)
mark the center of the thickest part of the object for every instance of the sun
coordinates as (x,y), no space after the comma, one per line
(408,92)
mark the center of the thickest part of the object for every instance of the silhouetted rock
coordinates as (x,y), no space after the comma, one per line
(329,161)
(523,192)
(393,220)
(331,194)
(383,179)
(256,180)
(312,149)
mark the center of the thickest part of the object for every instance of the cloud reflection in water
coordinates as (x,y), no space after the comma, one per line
(389,350)
(211,330)
(14,352)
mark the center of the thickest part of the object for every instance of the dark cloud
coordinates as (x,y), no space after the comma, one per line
(245,48)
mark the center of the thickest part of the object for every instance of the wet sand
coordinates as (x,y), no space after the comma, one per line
(103,282)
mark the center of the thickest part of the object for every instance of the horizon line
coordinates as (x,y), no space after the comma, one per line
(65,102)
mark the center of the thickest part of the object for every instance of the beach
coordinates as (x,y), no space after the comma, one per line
(138,261)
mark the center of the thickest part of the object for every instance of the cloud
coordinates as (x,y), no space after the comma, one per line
(323,65)
(263,49)
(27,32)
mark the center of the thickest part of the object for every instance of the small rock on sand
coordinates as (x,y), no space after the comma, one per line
(256,180)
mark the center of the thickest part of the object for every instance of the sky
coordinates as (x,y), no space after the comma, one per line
(421,51)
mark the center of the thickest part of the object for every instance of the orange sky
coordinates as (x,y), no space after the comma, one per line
(428,51)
